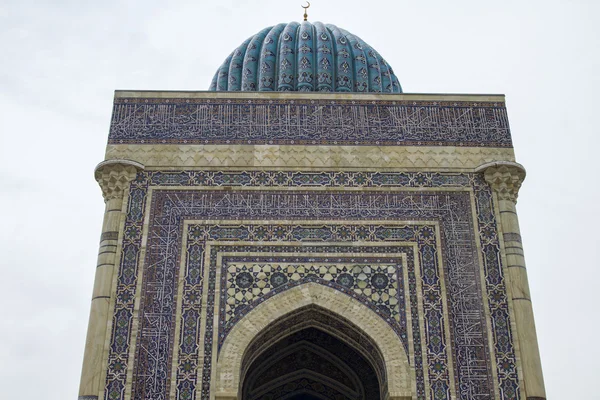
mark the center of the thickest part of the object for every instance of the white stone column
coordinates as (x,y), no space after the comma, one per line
(114,177)
(506,178)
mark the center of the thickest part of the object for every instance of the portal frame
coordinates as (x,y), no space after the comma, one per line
(228,382)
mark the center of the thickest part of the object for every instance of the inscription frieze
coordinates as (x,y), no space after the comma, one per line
(309,122)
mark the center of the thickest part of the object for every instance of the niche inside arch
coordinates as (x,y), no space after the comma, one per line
(313,354)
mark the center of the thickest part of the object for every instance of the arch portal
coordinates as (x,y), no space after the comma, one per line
(307,308)
(310,362)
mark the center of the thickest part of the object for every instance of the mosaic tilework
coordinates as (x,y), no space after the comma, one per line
(305,58)
(451,209)
(393,310)
(247,282)
(344,253)
(505,361)
(398,327)
(309,122)
(189,335)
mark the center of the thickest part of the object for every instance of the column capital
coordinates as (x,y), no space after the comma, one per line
(114,176)
(504,177)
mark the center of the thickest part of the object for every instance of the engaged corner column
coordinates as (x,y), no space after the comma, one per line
(505,178)
(113,176)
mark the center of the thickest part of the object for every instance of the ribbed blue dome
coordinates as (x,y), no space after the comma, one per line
(305,57)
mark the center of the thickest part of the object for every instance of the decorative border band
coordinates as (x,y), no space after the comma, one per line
(309,122)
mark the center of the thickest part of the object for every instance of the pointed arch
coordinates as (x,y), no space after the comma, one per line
(352,387)
(398,374)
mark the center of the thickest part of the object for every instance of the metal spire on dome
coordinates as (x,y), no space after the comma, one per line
(305,8)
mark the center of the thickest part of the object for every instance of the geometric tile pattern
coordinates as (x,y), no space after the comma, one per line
(345,272)
(338,217)
(324,253)
(343,254)
(305,57)
(247,282)
(309,122)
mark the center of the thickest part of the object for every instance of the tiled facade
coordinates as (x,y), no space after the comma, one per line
(309,121)
(200,250)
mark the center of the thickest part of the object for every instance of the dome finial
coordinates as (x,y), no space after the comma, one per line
(305,8)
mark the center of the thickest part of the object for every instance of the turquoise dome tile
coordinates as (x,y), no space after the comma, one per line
(305,57)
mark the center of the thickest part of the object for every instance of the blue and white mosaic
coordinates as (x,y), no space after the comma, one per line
(348,214)
(305,57)
(246,283)
(309,122)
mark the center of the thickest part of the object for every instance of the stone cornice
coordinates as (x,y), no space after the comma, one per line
(167,94)
(114,176)
(318,157)
(504,177)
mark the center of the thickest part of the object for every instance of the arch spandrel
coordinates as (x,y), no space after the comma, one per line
(228,376)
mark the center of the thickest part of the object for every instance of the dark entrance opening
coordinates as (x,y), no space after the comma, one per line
(310,364)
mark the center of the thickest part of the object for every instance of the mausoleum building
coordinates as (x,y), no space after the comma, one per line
(306,230)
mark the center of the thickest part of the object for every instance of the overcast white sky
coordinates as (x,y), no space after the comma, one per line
(61,60)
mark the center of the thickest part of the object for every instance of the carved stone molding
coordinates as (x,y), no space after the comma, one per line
(114,176)
(319,157)
(505,178)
